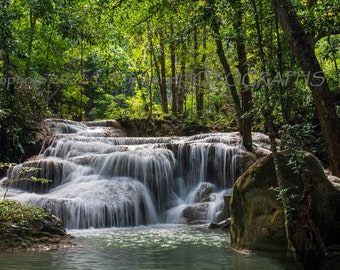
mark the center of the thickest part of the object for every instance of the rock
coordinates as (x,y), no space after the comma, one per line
(150,127)
(333,179)
(204,191)
(113,132)
(205,202)
(196,213)
(45,233)
(257,214)
(52,225)
(225,213)
(223,225)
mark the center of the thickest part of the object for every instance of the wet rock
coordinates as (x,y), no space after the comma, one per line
(257,213)
(51,225)
(203,194)
(196,213)
(113,132)
(47,233)
(225,213)
(223,225)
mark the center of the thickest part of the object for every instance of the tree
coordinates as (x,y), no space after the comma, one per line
(174,88)
(302,48)
(6,48)
(243,123)
(162,82)
(199,79)
(246,93)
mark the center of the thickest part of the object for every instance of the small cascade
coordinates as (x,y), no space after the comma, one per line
(95,202)
(101,178)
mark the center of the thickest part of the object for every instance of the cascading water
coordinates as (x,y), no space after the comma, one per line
(102,179)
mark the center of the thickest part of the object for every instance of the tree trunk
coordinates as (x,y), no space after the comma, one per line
(246,95)
(157,68)
(174,88)
(203,81)
(215,26)
(306,236)
(33,20)
(286,92)
(164,98)
(198,80)
(182,81)
(150,88)
(305,55)
(8,87)
(269,124)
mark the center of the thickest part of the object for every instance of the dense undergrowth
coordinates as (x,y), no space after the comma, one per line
(14,212)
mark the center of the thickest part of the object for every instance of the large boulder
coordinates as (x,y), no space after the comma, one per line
(258,220)
(257,216)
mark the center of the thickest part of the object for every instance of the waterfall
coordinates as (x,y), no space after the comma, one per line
(101,178)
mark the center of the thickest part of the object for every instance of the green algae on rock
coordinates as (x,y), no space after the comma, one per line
(258,220)
(30,227)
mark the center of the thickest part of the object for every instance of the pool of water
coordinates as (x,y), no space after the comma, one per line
(157,247)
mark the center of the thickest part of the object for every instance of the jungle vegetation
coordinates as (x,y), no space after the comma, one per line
(270,66)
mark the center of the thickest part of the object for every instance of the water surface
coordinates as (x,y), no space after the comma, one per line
(151,247)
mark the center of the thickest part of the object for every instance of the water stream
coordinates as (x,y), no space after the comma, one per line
(113,191)
(100,178)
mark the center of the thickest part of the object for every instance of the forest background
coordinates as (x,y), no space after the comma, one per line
(270,66)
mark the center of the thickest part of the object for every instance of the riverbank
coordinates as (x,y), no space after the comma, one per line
(30,228)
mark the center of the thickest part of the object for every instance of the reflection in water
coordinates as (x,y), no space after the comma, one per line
(157,247)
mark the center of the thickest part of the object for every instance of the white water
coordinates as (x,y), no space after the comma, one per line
(102,179)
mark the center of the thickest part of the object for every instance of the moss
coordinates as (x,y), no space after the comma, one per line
(257,214)
(255,210)
(324,195)
(30,227)
(13,212)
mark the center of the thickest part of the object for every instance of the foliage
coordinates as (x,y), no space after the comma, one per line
(282,195)
(295,139)
(87,60)
(22,173)
(13,212)
(18,119)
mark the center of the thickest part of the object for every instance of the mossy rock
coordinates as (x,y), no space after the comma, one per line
(257,217)
(257,214)
(30,227)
